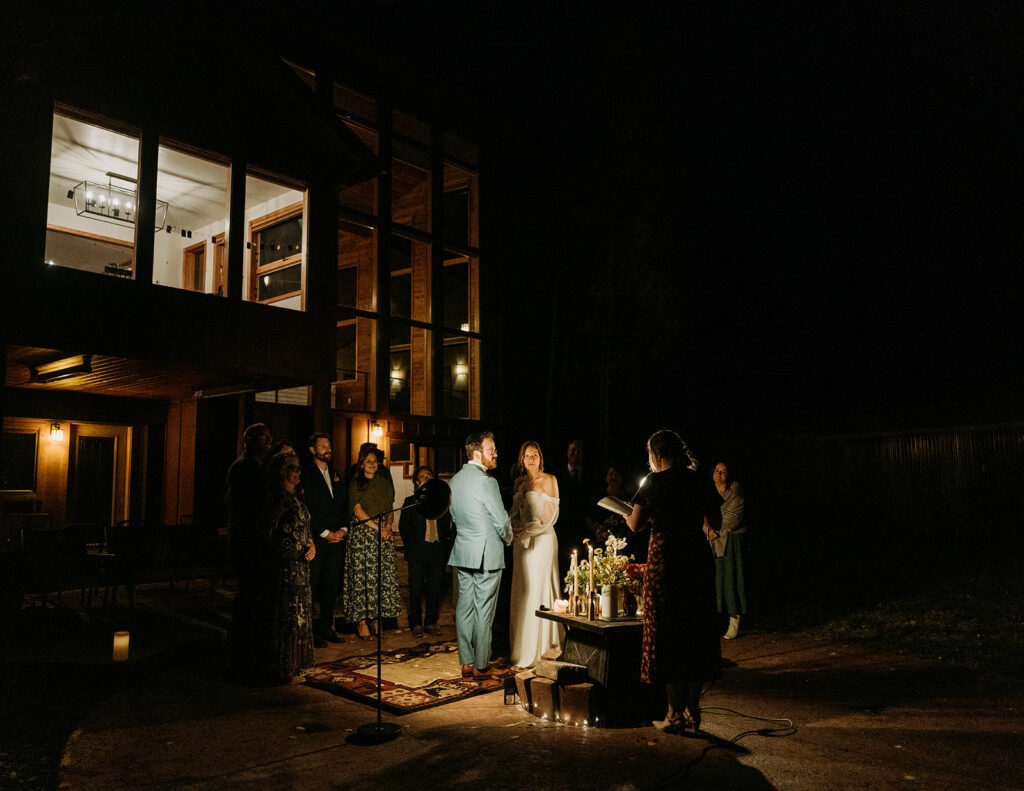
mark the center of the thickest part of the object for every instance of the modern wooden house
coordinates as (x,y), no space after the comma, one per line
(210,235)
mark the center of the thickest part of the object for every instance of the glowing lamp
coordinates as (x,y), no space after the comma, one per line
(120,646)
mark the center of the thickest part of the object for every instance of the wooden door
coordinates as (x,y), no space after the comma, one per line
(91,498)
(193,268)
(220,275)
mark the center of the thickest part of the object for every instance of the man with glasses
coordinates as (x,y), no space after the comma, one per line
(482,532)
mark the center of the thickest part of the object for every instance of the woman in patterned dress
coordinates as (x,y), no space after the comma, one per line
(370,494)
(285,523)
(680,645)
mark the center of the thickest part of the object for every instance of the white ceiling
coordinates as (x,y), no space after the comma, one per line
(196,190)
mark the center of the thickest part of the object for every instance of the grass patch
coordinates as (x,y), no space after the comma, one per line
(976,622)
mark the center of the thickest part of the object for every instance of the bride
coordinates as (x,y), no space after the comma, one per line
(534,558)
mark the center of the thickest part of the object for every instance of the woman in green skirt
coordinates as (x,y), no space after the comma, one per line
(724,525)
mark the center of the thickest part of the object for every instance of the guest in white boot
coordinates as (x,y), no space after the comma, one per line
(724,525)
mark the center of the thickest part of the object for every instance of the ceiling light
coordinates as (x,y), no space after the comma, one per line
(103,201)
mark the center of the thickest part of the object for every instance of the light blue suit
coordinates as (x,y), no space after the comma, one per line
(482,529)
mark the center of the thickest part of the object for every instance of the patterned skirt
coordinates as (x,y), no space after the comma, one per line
(359,596)
(291,643)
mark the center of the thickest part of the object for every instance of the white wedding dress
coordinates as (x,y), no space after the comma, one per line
(534,576)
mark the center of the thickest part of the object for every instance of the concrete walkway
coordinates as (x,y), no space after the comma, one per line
(792,713)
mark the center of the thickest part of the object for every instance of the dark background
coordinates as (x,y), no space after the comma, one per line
(789,231)
(733,216)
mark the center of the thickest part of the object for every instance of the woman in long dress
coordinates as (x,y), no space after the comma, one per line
(370,494)
(725,527)
(534,558)
(285,524)
(681,647)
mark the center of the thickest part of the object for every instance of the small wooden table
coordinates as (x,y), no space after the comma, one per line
(610,650)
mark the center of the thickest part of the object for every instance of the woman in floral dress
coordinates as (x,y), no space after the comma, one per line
(285,523)
(680,645)
(370,494)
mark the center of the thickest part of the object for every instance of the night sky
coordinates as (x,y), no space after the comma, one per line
(728,215)
(740,215)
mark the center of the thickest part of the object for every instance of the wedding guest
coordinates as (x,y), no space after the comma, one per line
(724,525)
(427,543)
(285,523)
(284,446)
(370,494)
(681,648)
(326,497)
(534,558)
(610,523)
(245,496)
(577,498)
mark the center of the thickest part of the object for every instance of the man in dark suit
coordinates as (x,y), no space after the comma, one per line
(577,494)
(326,497)
(427,544)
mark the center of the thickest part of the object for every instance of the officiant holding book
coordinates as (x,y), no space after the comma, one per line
(681,647)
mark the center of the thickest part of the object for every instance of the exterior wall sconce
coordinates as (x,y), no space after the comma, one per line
(461,369)
(376,431)
(56,432)
(465,327)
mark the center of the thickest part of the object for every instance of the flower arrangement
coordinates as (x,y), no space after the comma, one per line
(635,572)
(609,567)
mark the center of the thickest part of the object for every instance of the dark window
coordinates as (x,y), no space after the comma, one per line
(280,282)
(280,241)
(401,253)
(347,280)
(346,360)
(456,217)
(456,295)
(401,295)
(18,462)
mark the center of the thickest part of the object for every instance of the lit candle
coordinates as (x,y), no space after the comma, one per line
(120,646)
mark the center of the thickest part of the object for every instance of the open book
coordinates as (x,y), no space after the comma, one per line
(614,504)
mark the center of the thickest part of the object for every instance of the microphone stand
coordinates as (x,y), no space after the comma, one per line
(376,732)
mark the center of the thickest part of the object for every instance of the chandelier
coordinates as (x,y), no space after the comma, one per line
(111,202)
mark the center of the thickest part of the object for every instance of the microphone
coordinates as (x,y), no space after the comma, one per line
(433,498)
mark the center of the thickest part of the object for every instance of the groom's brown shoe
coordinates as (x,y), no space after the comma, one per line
(487,672)
(468,671)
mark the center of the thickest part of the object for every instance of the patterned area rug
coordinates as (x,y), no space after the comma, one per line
(412,679)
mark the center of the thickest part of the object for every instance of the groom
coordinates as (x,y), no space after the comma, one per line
(482,531)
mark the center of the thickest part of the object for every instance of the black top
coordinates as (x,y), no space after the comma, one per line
(413,526)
